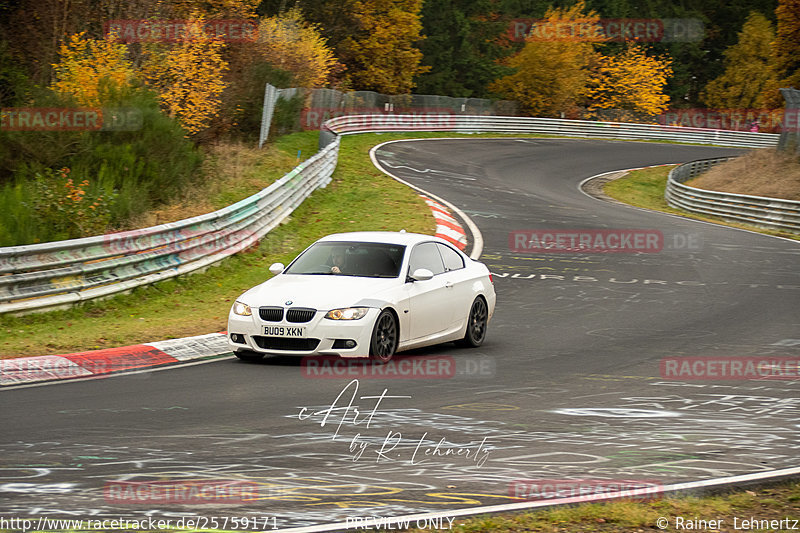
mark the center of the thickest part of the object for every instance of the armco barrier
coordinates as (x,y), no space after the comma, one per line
(55,274)
(547,126)
(43,276)
(769,213)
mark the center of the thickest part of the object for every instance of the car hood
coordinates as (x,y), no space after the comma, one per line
(318,291)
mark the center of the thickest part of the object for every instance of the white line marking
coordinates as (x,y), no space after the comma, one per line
(477,237)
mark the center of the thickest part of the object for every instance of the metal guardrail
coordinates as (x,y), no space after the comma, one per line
(44,276)
(790,138)
(56,274)
(768,213)
(548,126)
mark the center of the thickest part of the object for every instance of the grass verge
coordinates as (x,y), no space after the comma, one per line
(766,172)
(679,513)
(645,188)
(231,172)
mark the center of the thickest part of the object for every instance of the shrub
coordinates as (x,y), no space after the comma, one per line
(139,168)
(64,206)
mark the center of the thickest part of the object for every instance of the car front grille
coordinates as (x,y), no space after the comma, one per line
(283,343)
(298,315)
(271,314)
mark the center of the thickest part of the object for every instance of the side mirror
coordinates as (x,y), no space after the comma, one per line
(422,274)
(276,268)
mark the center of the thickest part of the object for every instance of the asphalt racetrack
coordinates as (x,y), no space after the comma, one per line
(575,380)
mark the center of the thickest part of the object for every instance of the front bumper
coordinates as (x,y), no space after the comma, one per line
(256,335)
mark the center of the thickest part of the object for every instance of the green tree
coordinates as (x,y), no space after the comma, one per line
(462,47)
(15,86)
(749,68)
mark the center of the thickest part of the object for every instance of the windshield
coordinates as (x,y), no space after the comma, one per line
(363,259)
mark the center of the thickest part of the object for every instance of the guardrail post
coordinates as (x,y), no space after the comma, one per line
(271,95)
(326,136)
(790,136)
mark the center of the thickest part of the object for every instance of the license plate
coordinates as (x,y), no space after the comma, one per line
(284,331)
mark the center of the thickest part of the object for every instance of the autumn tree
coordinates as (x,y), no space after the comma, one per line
(336,19)
(631,83)
(749,69)
(787,44)
(218,9)
(380,53)
(188,76)
(551,75)
(90,71)
(289,43)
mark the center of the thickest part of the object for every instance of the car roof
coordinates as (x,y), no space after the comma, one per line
(387,237)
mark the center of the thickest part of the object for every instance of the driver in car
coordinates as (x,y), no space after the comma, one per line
(337,262)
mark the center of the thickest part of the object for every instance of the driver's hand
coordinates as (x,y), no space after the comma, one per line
(336,270)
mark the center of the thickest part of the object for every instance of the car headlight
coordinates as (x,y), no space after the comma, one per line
(242,309)
(347,313)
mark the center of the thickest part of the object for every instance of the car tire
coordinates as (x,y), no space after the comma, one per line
(383,342)
(248,356)
(476,324)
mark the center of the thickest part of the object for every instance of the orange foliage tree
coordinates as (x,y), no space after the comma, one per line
(629,81)
(787,41)
(786,53)
(188,76)
(551,75)
(90,70)
(288,42)
(380,54)
(750,72)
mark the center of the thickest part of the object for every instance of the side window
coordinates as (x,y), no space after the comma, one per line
(452,259)
(426,255)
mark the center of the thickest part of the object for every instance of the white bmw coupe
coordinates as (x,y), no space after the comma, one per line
(365,294)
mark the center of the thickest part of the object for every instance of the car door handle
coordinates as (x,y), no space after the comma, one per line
(449,285)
